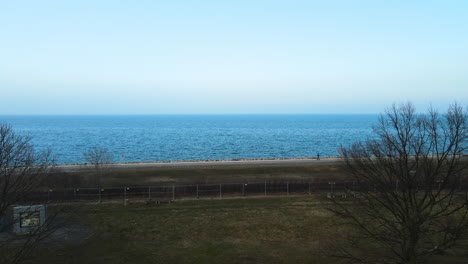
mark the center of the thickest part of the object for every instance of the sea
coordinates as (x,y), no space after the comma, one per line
(163,138)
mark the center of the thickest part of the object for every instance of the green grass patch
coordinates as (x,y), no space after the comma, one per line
(268,230)
(219,174)
(261,230)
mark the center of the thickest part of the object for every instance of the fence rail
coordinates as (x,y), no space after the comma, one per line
(193,191)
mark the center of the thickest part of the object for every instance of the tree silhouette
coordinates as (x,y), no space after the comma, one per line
(409,200)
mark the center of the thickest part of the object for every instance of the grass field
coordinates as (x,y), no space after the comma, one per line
(259,230)
(199,175)
(242,230)
(268,230)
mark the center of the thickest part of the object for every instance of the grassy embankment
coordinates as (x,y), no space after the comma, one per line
(209,231)
(268,230)
(199,175)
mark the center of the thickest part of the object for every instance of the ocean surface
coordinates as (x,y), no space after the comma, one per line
(193,137)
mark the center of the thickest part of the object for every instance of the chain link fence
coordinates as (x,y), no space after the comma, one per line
(174,192)
(192,191)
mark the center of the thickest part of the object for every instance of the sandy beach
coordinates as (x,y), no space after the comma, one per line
(238,163)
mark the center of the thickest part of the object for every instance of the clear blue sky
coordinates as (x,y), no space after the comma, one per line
(173,57)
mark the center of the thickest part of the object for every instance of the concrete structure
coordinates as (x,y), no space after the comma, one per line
(29,218)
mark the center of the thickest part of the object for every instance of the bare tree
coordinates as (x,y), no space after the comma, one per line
(99,159)
(22,171)
(409,200)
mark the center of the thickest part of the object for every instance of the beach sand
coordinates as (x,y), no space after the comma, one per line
(238,163)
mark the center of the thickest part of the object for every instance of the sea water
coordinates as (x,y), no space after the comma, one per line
(137,138)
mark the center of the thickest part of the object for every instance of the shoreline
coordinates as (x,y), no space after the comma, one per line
(209,163)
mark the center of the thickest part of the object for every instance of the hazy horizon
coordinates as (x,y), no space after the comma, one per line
(192,114)
(224,57)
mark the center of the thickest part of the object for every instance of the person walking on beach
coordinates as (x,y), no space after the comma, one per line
(318,155)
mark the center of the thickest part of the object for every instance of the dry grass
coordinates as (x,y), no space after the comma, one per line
(266,230)
(199,175)
(211,231)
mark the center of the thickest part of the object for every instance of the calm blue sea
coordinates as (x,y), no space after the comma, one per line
(193,137)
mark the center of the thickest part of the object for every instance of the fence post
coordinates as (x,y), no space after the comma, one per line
(173,192)
(149,192)
(265,188)
(197,192)
(220,192)
(287,188)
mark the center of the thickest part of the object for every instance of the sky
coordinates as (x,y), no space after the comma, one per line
(230,57)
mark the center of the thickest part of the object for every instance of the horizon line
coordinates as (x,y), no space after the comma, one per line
(186,114)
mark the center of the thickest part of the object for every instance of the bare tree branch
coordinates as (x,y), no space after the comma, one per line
(100,160)
(22,172)
(408,197)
